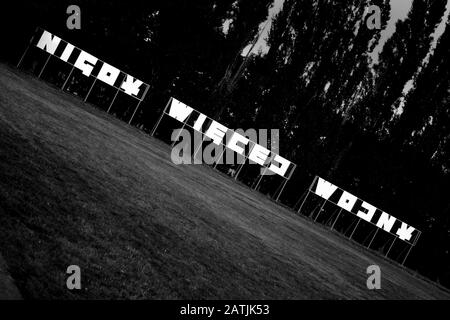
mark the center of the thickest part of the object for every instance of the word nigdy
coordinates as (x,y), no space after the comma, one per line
(90,65)
(362,209)
(237,142)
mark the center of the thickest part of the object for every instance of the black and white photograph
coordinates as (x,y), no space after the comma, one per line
(225,154)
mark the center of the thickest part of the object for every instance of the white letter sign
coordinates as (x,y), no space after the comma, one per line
(86,63)
(365,211)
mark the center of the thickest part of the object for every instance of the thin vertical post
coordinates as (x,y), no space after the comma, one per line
(67,79)
(303,202)
(135,109)
(277,190)
(331,217)
(335,220)
(115,96)
(292,172)
(389,250)
(139,103)
(355,228)
(309,190)
(314,181)
(376,231)
(114,99)
(182,128)
(261,176)
(314,211)
(45,64)
(320,210)
(199,147)
(284,184)
(417,238)
(23,56)
(407,254)
(178,135)
(220,157)
(239,169)
(245,159)
(27,48)
(368,236)
(160,118)
(300,199)
(90,89)
(351,225)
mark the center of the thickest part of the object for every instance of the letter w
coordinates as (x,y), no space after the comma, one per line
(179,110)
(324,189)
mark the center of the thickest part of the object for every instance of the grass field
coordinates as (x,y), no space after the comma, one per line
(78,186)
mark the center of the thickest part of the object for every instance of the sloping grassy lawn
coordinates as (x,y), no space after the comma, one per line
(80,187)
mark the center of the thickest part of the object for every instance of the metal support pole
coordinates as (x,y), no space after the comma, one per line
(135,109)
(355,229)
(300,199)
(277,190)
(23,56)
(282,188)
(389,250)
(320,210)
(160,118)
(301,206)
(417,238)
(114,99)
(42,70)
(376,231)
(307,191)
(199,147)
(239,169)
(67,79)
(139,103)
(335,220)
(331,217)
(314,210)
(261,176)
(27,48)
(258,182)
(245,159)
(291,172)
(115,96)
(400,254)
(90,89)
(407,254)
(314,181)
(351,225)
(178,135)
(220,157)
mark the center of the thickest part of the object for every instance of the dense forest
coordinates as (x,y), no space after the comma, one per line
(380,129)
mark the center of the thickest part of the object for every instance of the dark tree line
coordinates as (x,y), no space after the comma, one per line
(338,117)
